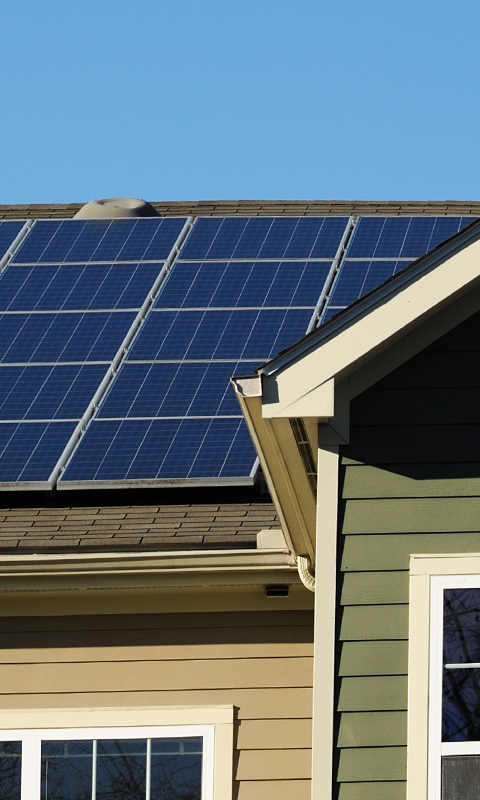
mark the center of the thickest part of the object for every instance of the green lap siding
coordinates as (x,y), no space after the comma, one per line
(409,483)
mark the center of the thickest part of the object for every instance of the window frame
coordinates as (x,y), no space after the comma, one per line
(213,723)
(429,576)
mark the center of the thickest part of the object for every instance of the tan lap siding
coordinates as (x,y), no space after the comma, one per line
(410,483)
(259,662)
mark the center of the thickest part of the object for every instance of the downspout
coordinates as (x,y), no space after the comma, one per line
(306,574)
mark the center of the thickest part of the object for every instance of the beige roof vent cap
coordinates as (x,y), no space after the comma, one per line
(116,207)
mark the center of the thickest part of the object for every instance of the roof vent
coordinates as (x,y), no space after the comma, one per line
(116,207)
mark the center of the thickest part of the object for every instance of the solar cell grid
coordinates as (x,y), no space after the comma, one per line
(401,237)
(174,390)
(356,278)
(76,287)
(162,448)
(243,284)
(48,392)
(62,337)
(58,241)
(214,334)
(264,237)
(9,231)
(29,451)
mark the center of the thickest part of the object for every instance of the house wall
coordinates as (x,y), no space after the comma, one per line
(258,661)
(409,483)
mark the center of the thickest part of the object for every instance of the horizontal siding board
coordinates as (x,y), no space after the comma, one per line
(158,637)
(374,552)
(379,693)
(373,764)
(373,729)
(274,790)
(178,652)
(421,406)
(412,444)
(393,790)
(369,588)
(261,703)
(124,676)
(136,622)
(423,480)
(273,765)
(275,734)
(374,622)
(419,515)
(373,658)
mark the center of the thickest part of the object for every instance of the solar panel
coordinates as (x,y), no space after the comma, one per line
(48,392)
(174,389)
(156,449)
(214,334)
(62,327)
(62,337)
(381,246)
(264,237)
(9,231)
(72,240)
(232,284)
(72,287)
(29,450)
(401,237)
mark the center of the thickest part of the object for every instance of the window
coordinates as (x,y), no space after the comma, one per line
(443,754)
(138,762)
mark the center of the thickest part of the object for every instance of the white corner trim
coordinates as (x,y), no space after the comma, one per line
(324,631)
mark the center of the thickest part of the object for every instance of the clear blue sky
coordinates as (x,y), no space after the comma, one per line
(279,99)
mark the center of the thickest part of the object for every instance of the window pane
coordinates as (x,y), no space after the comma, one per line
(461,686)
(460,777)
(10,770)
(121,768)
(176,769)
(66,770)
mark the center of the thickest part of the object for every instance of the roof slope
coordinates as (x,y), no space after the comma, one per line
(216,208)
(155,526)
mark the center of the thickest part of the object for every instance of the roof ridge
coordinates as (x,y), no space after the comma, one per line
(260,208)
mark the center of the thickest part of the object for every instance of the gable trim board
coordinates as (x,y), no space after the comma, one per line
(314,381)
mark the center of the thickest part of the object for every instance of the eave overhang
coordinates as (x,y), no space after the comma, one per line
(300,400)
(151,571)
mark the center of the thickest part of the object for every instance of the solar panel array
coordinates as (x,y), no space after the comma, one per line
(239,292)
(116,350)
(63,317)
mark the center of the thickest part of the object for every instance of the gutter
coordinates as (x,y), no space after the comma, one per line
(152,570)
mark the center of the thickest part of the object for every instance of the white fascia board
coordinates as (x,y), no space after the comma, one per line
(388,314)
(57,572)
(284,473)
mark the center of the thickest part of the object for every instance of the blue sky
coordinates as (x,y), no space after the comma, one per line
(273,99)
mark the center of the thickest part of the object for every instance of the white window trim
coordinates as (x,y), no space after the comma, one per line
(213,723)
(429,576)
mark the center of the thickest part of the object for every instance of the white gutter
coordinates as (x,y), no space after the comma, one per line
(127,571)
